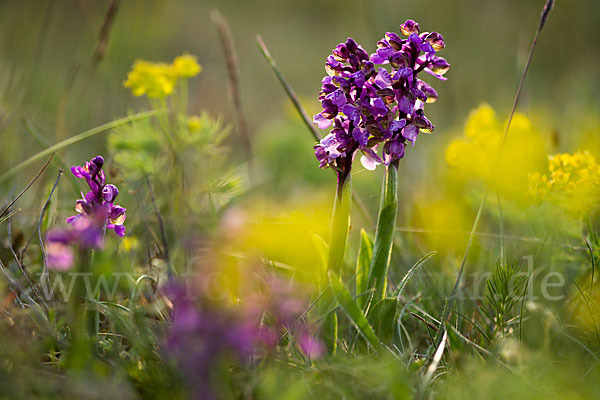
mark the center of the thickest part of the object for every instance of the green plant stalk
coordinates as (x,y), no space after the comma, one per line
(384,237)
(92,315)
(340,223)
(79,356)
(352,309)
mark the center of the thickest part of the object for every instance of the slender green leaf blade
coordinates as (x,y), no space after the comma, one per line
(365,253)
(386,223)
(76,139)
(10,214)
(352,309)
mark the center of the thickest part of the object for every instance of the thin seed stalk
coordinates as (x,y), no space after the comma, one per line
(340,223)
(386,223)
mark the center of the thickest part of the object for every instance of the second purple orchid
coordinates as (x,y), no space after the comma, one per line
(98,203)
(96,212)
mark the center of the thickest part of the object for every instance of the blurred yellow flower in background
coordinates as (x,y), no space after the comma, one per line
(157,80)
(280,232)
(186,66)
(152,79)
(573,183)
(130,243)
(472,156)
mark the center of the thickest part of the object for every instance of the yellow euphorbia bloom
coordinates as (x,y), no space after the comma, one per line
(186,66)
(157,80)
(474,154)
(573,182)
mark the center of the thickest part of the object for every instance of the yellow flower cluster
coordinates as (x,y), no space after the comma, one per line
(473,154)
(573,182)
(186,66)
(157,80)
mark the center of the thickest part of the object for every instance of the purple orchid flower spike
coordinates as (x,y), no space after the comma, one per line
(365,105)
(98,203)
(96,212)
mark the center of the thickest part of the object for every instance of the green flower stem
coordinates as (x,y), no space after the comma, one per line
(386,222)
(80,350)
(92,312)
(340,223)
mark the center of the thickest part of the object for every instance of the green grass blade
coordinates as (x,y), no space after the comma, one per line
(402,285)
(287,87)
(76,139)
(10,214)
(386,223)
(411,271)
(352,309)
(365,253)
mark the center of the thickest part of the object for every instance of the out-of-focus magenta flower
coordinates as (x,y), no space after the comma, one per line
(98,202)
(312,346)
(95,213)
(59,255)
(202,336)
(84,233)
(368,106)
(284,306)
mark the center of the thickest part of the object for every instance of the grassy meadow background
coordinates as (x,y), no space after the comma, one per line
(242,225)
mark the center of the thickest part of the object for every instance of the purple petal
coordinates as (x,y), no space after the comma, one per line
(72,219)
(370,160)
(321,121)
(361,135)
(414,38)
(426,47)
(403,72)
(359,78)
(410,133)
(405,105)
(410,27)
(377,59)
(80,172)
(383,78)
(338,98)
(351,112)
(120,230)
(396,125)
(109,193)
